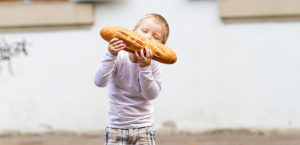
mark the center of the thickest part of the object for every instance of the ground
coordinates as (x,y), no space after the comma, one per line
(215,137)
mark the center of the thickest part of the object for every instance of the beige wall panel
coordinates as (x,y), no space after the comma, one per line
(45,14)
(258,8)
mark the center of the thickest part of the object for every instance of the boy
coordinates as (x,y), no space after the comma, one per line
(133,82)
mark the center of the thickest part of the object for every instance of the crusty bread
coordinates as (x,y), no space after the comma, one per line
(135,41)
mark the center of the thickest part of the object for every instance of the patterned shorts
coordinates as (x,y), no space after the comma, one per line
(136,136)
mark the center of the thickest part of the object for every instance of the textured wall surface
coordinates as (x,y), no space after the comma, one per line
(227,75)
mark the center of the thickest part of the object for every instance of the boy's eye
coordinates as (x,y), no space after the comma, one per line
(156,37)
(144,30)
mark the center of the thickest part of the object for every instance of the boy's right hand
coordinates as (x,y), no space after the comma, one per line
(116,45)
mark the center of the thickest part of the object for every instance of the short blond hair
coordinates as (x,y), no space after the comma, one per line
(160,20)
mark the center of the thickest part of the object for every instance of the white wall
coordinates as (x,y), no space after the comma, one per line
(227,75)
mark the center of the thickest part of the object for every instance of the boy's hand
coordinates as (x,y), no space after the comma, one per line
(116,45)
(144,57)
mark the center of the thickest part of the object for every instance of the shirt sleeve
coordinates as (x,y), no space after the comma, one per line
(150,81)
(105,70)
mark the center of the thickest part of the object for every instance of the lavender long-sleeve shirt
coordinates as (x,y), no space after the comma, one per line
(130,90)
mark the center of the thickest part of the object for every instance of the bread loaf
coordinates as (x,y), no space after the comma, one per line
(135,41)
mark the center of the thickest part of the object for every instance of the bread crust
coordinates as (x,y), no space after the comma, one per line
(135,41)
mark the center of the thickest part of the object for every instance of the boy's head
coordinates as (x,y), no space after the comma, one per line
(154,27)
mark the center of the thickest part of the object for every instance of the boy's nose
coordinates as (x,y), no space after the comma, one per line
(148,36)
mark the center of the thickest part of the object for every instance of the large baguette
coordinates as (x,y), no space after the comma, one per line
(135,41)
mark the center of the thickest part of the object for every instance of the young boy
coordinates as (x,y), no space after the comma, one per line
(133,82)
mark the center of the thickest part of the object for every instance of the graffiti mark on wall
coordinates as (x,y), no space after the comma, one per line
(8,51)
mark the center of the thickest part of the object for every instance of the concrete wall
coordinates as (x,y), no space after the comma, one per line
(227,75)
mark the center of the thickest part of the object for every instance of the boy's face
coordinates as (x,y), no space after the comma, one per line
(151,30)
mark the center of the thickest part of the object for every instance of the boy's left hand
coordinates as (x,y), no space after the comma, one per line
(144,57)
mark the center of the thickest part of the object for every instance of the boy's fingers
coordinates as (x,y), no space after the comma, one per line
(119,45)
(142,54)
(121,48)
(150,52)
(136,54)
(117,42)
(113,40)
(147,53)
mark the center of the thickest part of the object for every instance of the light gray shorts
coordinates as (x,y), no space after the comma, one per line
(136,136)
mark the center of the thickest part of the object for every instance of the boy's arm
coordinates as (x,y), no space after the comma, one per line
(150,81)
(105,70)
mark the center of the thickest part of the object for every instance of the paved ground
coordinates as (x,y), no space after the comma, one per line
(216,137)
